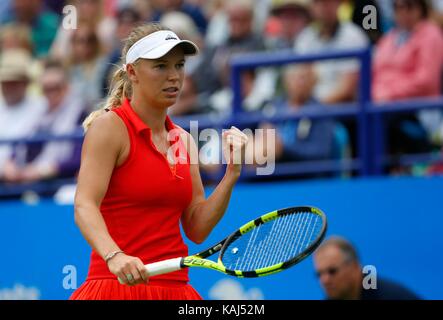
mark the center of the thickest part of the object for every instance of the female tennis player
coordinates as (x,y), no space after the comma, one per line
(137,181)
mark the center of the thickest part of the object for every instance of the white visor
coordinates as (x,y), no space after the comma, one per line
(157,44)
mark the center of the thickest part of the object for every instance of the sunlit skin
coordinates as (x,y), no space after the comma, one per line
(347,280)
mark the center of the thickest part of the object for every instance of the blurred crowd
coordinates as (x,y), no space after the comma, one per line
(53,75)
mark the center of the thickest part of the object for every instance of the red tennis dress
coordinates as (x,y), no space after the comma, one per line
(145,199)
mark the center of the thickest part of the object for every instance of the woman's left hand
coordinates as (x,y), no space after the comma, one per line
(234,145)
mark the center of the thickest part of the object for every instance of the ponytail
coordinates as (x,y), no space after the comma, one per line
(120,89)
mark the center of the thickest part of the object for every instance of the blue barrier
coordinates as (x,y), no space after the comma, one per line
(45,256)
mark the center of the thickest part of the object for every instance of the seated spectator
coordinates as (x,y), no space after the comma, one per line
(408,60)
(288,18)
(340,274)
(87,65)
(213,75)
(20,112)
(64,114)
(18,36)
(304,139)
(337,80)
(408,63)
(42,23)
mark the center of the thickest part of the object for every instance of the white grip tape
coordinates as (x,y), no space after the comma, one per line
(164,266)
(161,267)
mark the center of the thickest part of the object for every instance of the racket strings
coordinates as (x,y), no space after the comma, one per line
(272,243)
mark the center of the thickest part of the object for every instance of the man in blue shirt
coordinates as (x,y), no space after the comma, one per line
(339,271)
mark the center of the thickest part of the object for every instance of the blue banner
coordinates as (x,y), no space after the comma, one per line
(395,224)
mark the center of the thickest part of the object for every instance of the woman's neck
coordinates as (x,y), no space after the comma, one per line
(154,118)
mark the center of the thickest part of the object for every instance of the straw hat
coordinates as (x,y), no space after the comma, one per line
(15,65)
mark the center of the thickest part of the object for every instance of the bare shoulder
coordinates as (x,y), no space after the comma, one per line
(108,130)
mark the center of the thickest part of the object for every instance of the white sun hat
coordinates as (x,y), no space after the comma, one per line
(156,45)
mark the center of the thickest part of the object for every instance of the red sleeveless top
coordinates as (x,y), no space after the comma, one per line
(145,199)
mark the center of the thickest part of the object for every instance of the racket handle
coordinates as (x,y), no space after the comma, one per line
(164,266)
(161,267)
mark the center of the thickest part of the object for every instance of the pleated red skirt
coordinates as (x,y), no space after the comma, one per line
(110,289)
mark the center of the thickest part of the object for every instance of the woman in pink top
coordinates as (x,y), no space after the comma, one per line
(408,60)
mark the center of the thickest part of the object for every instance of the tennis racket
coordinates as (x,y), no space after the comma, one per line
(269,244)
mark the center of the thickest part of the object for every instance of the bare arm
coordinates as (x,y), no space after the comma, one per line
(202,215)
(103,149)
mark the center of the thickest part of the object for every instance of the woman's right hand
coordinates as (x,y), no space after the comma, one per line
(130,270)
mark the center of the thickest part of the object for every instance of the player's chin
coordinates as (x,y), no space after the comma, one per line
(167,102)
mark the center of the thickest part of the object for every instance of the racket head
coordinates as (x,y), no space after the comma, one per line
(273,242)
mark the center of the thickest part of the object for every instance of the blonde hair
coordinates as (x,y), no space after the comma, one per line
(121,86)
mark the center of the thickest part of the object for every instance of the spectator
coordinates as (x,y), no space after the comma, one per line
(89,12)
(340,273)
(193,11)
(408,64)
(288,19)
(20,112)
(213,75)
(337,80)
(304,139)
(408,60)
(64,113)
(18,36)
(42,23)
(87,65)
